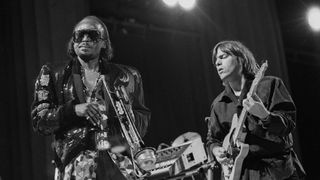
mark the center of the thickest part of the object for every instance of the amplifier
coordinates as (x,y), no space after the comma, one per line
(176,159)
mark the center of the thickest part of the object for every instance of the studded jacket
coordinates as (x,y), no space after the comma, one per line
(56,93)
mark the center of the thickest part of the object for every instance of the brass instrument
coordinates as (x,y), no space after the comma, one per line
(101,130)
(143,157)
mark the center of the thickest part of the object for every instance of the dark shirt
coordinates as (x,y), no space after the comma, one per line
(270,140)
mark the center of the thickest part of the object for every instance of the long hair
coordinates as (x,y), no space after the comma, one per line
(236,48)
(106,53)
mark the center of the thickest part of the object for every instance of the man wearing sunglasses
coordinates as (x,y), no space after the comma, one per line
(71,103)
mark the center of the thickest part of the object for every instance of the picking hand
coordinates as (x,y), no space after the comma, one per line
(220,153)
(254,106)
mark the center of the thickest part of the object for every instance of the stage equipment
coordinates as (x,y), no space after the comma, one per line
(178,158)
(313,16)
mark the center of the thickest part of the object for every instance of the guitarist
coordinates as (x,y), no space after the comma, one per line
(269,123)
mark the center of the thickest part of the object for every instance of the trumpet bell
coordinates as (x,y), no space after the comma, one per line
(146,158)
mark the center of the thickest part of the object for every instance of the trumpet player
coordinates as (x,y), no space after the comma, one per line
(70,103)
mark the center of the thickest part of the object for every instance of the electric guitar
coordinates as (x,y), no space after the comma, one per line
(234,144)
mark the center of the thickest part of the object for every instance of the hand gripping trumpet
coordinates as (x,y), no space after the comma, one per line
(143,157)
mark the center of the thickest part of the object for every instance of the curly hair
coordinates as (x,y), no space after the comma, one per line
(236,48)
(106,53)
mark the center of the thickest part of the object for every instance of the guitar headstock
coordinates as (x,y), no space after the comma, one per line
(259,75)
(264,66)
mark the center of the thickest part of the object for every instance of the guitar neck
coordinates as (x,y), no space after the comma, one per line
(238,131)
(243,115)
(238,135)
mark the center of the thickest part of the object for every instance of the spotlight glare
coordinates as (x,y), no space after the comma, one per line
(170,3)
(313,18)
(187,4)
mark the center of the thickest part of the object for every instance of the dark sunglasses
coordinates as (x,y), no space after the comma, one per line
(94,35)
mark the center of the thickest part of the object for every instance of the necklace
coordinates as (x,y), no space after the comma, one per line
(90,81)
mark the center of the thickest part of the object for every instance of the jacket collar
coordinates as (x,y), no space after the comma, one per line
(228,95)
(104,67)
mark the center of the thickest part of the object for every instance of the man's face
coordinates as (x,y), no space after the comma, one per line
(87,38)
(228,66)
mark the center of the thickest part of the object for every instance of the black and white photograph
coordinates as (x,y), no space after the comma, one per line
(160,90)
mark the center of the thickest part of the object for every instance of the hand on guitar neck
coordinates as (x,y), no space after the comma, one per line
(254,106)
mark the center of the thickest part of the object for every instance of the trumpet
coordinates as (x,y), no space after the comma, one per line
(101,130)
(143,157)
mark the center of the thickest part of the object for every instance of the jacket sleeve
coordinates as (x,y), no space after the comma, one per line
(281,120)
(215,134)
(46,114)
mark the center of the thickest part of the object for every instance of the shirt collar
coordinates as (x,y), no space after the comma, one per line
(228,95)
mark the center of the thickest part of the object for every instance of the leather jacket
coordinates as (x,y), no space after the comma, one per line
(58,88)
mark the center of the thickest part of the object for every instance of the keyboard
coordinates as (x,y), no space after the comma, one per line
(176,159)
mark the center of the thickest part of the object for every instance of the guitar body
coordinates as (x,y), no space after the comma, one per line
(237,150)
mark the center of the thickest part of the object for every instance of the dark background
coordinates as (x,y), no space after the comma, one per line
(171,48)
(302,51)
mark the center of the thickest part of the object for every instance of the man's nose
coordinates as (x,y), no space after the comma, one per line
(218,62)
